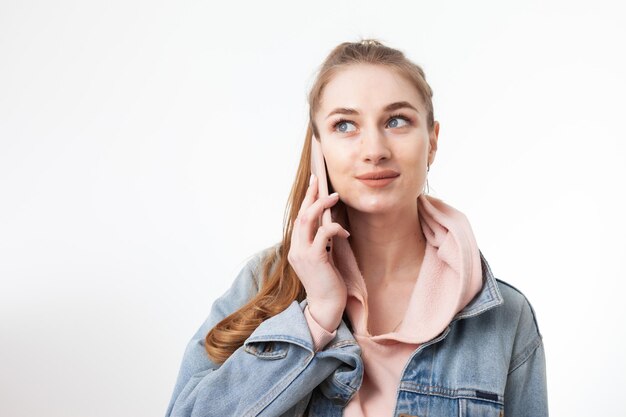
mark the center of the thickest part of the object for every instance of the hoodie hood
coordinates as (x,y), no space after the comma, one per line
(449,278)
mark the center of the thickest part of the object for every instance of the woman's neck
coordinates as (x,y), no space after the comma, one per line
(388,246)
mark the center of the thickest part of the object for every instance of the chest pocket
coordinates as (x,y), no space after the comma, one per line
(440,402)
(478,408)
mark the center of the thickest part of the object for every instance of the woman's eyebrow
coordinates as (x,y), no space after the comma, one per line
(400,105)
(390,107)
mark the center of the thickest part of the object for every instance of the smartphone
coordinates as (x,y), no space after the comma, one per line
(318,168)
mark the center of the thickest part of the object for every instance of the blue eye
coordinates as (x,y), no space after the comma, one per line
(342,122)
(399,117)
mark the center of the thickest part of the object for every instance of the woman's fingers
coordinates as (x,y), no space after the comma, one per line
(309,218)
(307,229)
(326,232)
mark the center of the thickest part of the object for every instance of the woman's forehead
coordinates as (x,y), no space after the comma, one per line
(367,87)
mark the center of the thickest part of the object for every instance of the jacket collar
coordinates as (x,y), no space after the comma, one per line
(487,298)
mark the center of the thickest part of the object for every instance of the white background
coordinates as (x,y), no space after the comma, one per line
(147,148)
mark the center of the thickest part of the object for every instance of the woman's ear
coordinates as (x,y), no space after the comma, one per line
(432,142)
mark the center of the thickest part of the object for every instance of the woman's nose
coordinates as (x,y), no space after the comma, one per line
(374,146)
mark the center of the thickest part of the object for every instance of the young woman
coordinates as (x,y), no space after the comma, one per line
(401,314)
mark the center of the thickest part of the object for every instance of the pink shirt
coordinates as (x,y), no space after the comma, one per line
(449,278)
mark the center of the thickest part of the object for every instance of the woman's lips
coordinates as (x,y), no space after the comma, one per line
(378,183)
(378,179)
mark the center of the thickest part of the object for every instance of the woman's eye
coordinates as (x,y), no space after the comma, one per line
(393,122)
(341,125)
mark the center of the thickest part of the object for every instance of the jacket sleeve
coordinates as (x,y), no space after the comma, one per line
(526,393)
(273,372)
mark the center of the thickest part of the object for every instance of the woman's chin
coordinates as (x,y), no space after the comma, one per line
(374,205)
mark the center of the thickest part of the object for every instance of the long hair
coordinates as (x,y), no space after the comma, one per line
(280,285)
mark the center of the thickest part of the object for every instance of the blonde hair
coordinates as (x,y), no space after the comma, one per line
(281,286)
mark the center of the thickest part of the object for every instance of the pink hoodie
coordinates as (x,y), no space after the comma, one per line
(449,278)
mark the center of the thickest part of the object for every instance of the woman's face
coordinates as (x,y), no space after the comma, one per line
(372,123)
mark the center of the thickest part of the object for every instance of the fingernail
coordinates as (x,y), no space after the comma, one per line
(333,195)
(311,179)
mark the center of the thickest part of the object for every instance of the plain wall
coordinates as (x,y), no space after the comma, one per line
(147,149)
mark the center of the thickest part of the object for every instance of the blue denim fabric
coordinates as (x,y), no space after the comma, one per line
(488,362)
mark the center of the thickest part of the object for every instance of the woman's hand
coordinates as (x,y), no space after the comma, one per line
(325,288)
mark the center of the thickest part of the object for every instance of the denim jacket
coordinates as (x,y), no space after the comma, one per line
(489,361)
